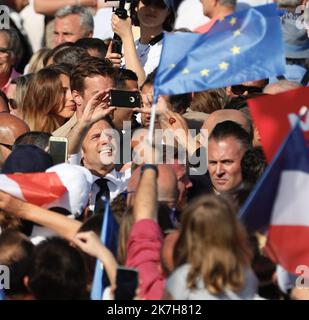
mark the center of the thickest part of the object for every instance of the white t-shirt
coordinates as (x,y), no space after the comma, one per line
(149,55)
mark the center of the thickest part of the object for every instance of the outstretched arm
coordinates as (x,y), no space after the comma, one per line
(60,224)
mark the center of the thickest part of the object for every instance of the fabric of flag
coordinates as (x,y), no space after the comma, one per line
(53,188)
(109,237)
(244,46)
(274,115)
(280,202)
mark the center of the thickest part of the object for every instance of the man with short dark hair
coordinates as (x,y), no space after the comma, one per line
(226,146)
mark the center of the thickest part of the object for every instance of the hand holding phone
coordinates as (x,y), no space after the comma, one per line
(126,283)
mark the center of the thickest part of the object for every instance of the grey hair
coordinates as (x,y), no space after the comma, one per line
(228,3)
(86,18)
(14,43)
(289,3)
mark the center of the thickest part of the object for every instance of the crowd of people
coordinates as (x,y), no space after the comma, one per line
(176,225)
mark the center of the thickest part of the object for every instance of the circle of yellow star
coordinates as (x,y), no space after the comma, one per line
(205,72)
(233,21)
(223,66)
(235,50)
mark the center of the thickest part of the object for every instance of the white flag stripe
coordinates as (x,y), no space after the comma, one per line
(10,186)
(292,202)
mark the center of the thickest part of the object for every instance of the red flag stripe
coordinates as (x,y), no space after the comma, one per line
(39,188)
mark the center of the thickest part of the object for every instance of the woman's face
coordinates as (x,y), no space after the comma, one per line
(69,106)
(152,13)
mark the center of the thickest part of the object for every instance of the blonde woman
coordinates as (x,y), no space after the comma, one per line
(212,255)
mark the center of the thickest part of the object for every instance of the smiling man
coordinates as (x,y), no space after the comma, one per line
(227,144)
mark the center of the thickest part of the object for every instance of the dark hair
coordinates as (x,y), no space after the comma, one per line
(231,129)
(180,102)
(90,67)
(150,79)
(37,138)
(93,43)
(168,24)
(71,55)
(55,50)
(15,253)
(123,76)
(62,68)
(58,271)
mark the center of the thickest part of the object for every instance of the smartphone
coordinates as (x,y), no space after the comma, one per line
(126,283)
(58,149)
(125,99)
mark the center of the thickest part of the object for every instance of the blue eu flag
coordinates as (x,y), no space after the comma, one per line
(244,46)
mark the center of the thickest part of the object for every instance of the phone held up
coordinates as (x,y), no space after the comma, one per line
(58,149)
(124,99)
(126,283)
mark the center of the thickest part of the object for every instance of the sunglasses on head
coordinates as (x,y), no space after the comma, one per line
(241,89)
(156,3)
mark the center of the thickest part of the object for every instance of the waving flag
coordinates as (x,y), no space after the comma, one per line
(274,115)
(280,204)
(109,237)
(244,46)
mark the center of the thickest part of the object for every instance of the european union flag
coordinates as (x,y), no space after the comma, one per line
(244,46)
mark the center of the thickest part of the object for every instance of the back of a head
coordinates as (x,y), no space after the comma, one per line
(58,272)
(86,18)
(95,45)
(228,3)
(39,139)
(289,3)
(72,55)
(281,86)
(16,253)
(209,101)
(219,116)
(214,242)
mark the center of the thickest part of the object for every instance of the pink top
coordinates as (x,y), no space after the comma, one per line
(206,27)
(143,254)
(14,74)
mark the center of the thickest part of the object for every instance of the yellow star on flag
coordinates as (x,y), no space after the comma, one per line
(185,71)
(235,50)
(223,65)
(233,21)
(237,33)
(171,66)
(205,72)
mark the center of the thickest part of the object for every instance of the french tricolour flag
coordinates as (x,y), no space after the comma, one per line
(280,204)
(36,188)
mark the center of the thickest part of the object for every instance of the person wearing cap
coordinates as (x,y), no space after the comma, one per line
(153,17)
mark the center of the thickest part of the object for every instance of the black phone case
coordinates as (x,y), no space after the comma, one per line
(125,99)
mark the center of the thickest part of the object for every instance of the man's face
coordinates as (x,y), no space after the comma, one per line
(68,29)
(99,147)
(92,86)
(224,157)
(147,98)
(208,7)
(6,57)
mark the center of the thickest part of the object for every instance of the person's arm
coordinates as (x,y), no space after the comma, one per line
(96,109)
(90,243)
(146,204)
(124,29)
(60,224)
(49,8)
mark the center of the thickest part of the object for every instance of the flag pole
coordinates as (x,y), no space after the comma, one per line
(152,122)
